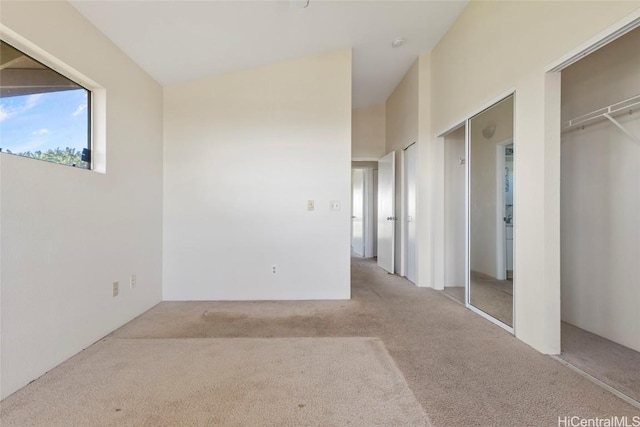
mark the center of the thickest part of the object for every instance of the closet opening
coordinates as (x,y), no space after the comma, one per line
(600,210)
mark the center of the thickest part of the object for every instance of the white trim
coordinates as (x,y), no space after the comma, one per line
(514,208)
(400,222)
(620,28)
(467,216)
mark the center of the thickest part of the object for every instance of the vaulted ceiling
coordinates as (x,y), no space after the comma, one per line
(178,41)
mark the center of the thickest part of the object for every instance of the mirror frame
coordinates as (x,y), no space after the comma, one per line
(467,150)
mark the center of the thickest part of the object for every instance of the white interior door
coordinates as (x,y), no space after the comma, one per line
(357,211)
(386,211)
(374,217)
(410,209)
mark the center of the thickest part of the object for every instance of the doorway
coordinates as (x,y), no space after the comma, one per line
(386,212)
(357,212)
(364,208)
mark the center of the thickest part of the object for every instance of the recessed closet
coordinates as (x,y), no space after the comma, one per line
(600,214)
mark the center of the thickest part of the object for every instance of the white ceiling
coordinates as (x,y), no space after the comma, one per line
(178,41)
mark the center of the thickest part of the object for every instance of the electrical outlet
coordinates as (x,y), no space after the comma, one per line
(116,289)
(274,269)
(334,205)
(132,281)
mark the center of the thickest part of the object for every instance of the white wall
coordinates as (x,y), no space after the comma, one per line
(68,233)
(430,198)
(601,197)
(454,217)
(402,112)
(243,154)
(368,132)
(492,48)
(401,131)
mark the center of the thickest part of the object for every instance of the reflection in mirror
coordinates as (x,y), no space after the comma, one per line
(491,211)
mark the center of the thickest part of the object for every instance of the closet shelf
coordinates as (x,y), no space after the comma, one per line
(609,112)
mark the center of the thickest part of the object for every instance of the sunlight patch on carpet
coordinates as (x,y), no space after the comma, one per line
(234,381)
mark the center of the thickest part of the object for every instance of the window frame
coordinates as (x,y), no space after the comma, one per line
(96,98)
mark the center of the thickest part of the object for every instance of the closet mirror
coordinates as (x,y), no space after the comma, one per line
(491,219)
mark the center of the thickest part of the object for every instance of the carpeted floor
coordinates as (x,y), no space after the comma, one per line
(462,369)
(221,381)
(611,363)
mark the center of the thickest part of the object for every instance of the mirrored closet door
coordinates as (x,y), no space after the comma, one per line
(490,272)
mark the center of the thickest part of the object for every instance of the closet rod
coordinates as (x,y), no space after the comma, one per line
(628,105)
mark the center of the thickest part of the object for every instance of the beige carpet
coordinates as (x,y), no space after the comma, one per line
(244,381)
(462,369)
(611,363)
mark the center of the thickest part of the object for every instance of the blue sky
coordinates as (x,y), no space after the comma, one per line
(44,121)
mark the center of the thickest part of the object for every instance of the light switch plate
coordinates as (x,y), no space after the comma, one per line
(335,205)
(310,205)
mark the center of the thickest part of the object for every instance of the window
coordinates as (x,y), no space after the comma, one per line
(43,114)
